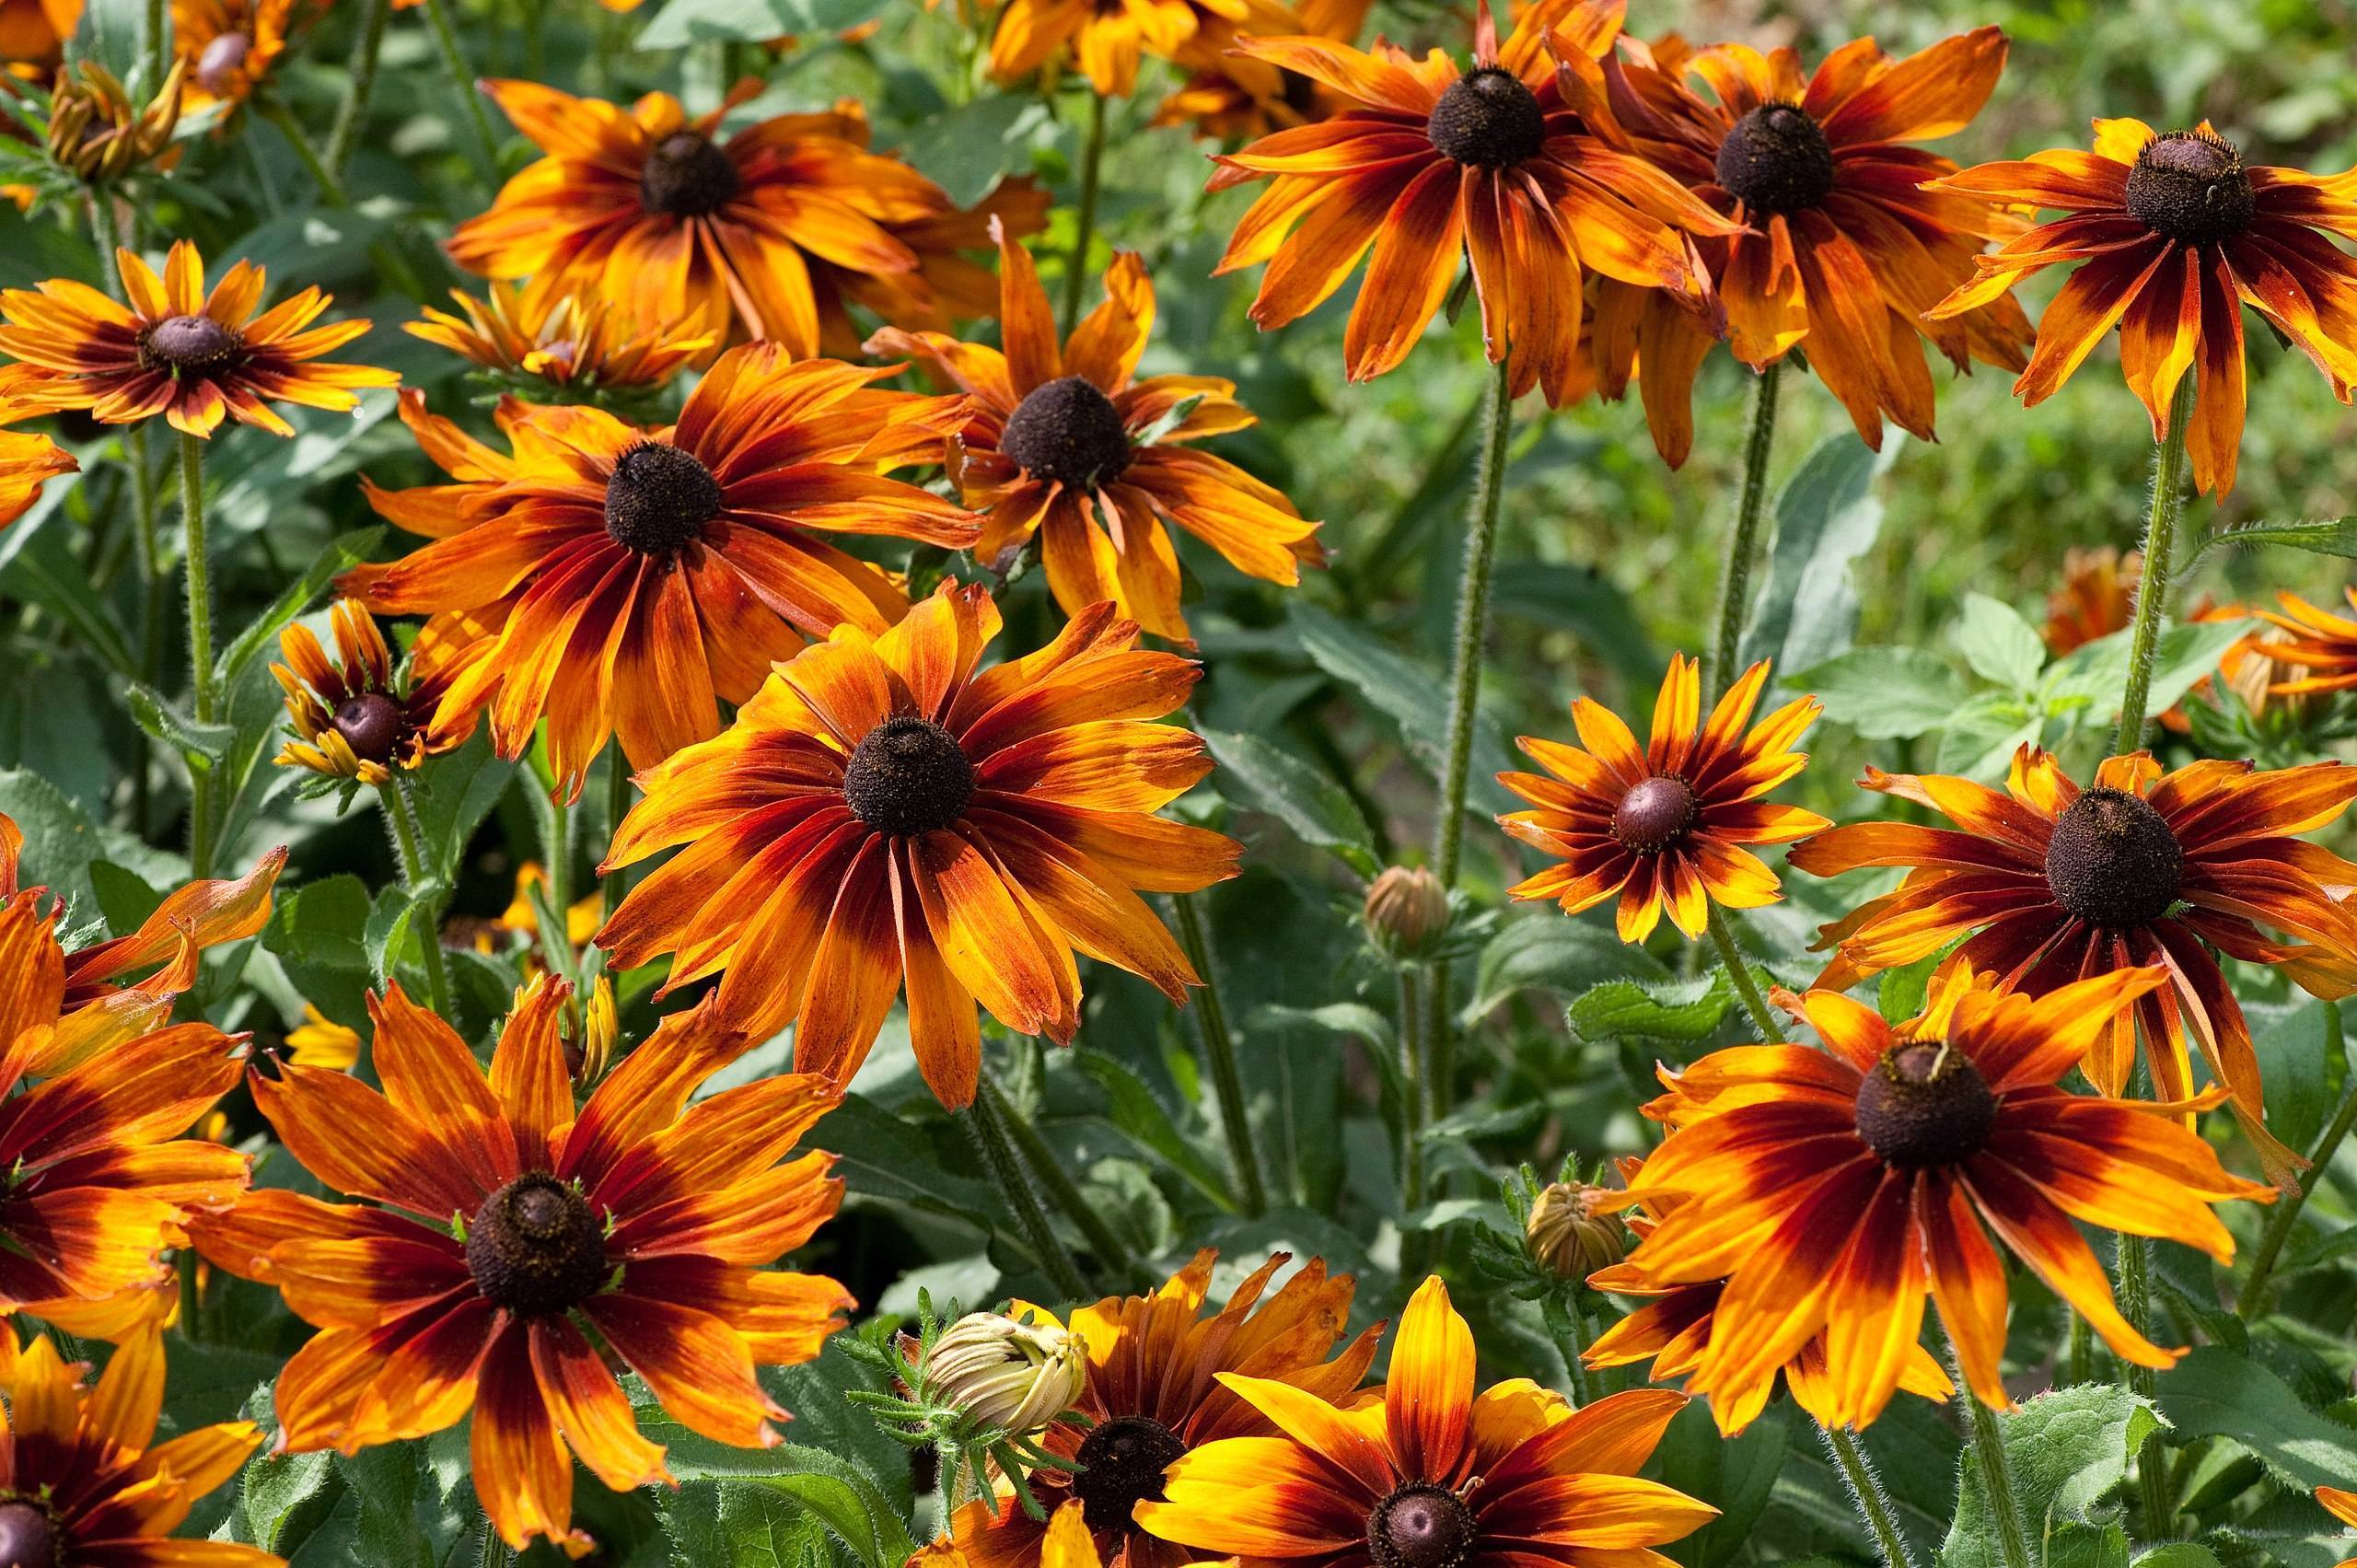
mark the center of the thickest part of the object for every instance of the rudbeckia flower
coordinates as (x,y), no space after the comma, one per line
(1156,1391)
(176,350)
(229,46)
(1067,446)
(629,580)
(1435,161)
(1429,1474)
(1229,96)
(882,815)
(26,462)
(2320,646)
(1832,1189)
(319,1041)
(1663,828)
(352,717)
(576,345)
(495,1221)
(2174,236)
(1105,38)
(33,32)
(2342,1505)
(2052,883)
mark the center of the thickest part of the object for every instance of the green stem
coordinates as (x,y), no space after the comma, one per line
(1472,623)
(2079,1361)
(2152,588)
(1061,1188)
(1219,1055)
(2134,1289)
(158,44)
(1865,1490)
(1092,159)
(613,885)
(191,1300)
(990,1135)
(1735,582)
(463,77)
(200,648)
(1568,1322)
(1996,1474)
(354,110)
(2251,1301)
(1739,973)
(395,266)
(408,841)
(1415,1098)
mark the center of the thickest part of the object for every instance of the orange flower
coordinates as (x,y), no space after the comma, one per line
(881,815)
(177,350)
(352,720)
(2097,597)
(580,344)
(2053,884)
(1843,252)
(1426,1473)
(2319,643)
(1831,1189)
(229,46)
(497,1220)
(1105,38)
(1068,449)
(33,32)
(1663,828)
(1492,162)
(2342,1505)
(2174,234)
(1229,96)
(629,580)
(26,462)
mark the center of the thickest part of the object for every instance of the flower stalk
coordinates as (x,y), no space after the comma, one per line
(1987,1445)
(1865,1492)
(1062,1189)
(1735,583)
(463,77)
(1219,1055)
(354,110)
(200,650)
(1747,989)
(985,1125)
(2152,586)
(1092,161)
(400,813)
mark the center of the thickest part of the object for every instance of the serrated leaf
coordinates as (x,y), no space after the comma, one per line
(1827,517)
(2065,1449)
(203,745)
(1676,1009)
(1413,695)
(1548,951)
(2215,1393)
(1998,644)
(1267,779)
(1885,693)
(1133,1107)
(2320,536)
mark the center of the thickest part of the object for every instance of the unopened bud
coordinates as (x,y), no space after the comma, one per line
(1016,1377)
(1406,909)
(96,130)
(1570,1233)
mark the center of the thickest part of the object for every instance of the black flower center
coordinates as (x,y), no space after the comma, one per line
(190,343)
(2189,185)
(687,176)
(1487,117)
(535,1247)
(1776,160)
(2113,860)
(1122,1464)
(907,776)
(27,1537)
(1653,816)
(1420,1526)
(1925,1105)
(370,723)
(659,498)
(1067,432)
(217,66)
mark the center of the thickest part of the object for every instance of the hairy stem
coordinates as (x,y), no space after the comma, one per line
(1092,160)
(354,110)
(1866,1492)
(2152,586)
(1996,1474)
(200,649)
(409,844)
(463,77)
(984,1124)
(1735,582)
(1061,1188)
(1219,1054)
(1739,974)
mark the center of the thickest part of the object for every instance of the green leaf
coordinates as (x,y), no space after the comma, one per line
(348,550)
(1735,1475)
(453,793)
(2215,1393)
(113,33)
(284,1496)
(2320,536)
(884,1157)
(966,150)
(683,22)
(1998,645)
(44,572)
(1980,738)
(1585,602)
(1320,812)
(2066,1451)
(1553,952)
(1885,693)
(2186,654)
(2295,1045)
(1827,517)
(1670,1009)
(1138,1113)
(62,843)
(1410,694)
(203,745)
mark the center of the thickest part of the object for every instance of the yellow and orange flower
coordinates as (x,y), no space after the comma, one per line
(1229,96)
(1842,253)
(1831,1189)
(1427,1472)
(319,1041)
(627,581)
(1156,1389)
(2342,1505)
(2052,883)
(884,815)
(191,356)
(2097,595)
(352,717)
(2173,235)
(495,1220)
(1106,39)
(2318,643)
(1067,448)
(1492,162)
(33,32)
(1664,828)
(26,462)
(229,46)
(83,1477)
(573,343)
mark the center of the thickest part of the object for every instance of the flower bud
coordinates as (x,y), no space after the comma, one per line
(1570,1233)
(100,132)
(1406,909)
(1017,1376)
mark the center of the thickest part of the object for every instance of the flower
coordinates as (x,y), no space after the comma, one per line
(2173,235)
(628,580)
(83,1478)
(229,46)
(319,1041)
(882,816)
(1831,1189)
(176,350)
(2096,598)
(1492,162)
(1427,1474)
(100,132)
(33,32)
(1016,1375)
(1406,907)
(1568,1232)
(26,462)
(565,341)
(1157,1369)
(1105,38)
(495,1221)
(2054,884)
(352,718)
(1842,250)
(1065,446)
(1663,828)
(2315,640)
(1227,96)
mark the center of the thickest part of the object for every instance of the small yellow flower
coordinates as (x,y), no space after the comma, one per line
(319,1041)
(565,341)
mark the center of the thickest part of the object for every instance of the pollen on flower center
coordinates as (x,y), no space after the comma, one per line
(2191,186)
(535,1247)
(1925,1105)
(190,343)
(218,63)
(687,176)
(1420,1526)
(369,724)
(27,1537)
(659,498)
(1067,432)
(1122,1464)
(907,776)
(1489,118)
(1776,160)
(1653,816)
(2113,860)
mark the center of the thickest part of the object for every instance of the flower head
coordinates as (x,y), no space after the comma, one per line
(1106,39)
(566,342)
(97,129)
(1229,96)
(1013,1373)
(352,717)
(2342,1505)
(229,46)
(2317,648)
(26,462)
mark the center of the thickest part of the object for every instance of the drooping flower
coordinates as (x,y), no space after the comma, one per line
(1230,97)
(1663,828)
(352,717)
(493,1222)
(1064,446)
(627,581)
(27,461)
(229,46)
(882,816)
(2052,883)
(2171,235)
(570,343)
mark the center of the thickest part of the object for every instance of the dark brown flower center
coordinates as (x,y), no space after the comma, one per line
(687,176)
(1122,1464)
(907,776)
(536,1249)
(659,498)
(1776,160)
(370,723)
(2191,186)
(27,1537)
(1067,432)
(1420,1526)
(1489,118)
(217,66)
(190,343)
(1655,815)
(1925,1105)
(2113,860)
